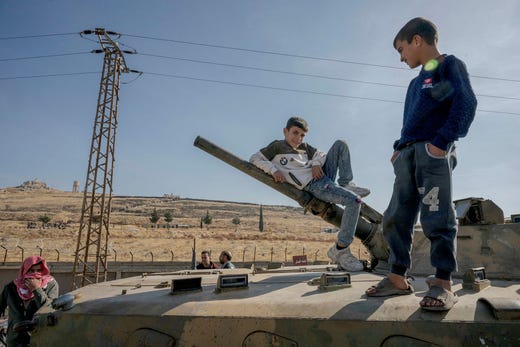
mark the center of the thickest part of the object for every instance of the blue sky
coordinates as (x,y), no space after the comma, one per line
(46,123)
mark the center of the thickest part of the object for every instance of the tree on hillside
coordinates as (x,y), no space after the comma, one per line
(207,219)
(44,219)
(261,220)
(236,222)
(154,216)
(168,217)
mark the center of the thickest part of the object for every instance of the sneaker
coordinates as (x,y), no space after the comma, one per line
(333,252)
(344,259)
(362,192)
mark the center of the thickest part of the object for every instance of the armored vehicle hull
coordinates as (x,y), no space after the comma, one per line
(283,307)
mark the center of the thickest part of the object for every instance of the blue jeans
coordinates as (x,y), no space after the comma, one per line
(422,184)
(325,188)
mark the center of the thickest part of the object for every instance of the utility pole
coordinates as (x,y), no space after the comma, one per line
(90,261)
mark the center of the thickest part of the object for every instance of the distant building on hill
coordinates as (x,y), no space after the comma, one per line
(75,187)
(172,196)
(33,185)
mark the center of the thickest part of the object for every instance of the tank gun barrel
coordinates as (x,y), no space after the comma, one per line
(368,228)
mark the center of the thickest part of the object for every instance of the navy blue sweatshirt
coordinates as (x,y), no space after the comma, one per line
(440,105)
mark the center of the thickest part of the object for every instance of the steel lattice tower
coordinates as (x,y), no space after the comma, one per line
(90,261)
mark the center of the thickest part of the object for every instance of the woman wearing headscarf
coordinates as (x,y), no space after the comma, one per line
(33,288)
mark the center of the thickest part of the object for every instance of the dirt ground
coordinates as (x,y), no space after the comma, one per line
(287,230)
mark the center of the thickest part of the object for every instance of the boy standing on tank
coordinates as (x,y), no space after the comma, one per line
(439,109)
(293,161)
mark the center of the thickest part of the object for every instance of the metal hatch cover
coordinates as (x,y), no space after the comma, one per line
(503,308)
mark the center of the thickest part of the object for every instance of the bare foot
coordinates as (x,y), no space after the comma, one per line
(398,281)
(431,302)
(440,283)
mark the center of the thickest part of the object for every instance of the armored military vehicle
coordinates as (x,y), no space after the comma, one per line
(311,305)
(289,306)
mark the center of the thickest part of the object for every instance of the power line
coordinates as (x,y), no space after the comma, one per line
(501,112)
(271,70)
(301,91)
(35,36)
(295,55)
(272,88)
(497,97)
(300,74)
(43,56)
(246,68)
(243,85)
(265,52)
(495,78)
(253,51)
(50,75)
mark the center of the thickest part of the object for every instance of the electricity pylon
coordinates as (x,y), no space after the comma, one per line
(90,261)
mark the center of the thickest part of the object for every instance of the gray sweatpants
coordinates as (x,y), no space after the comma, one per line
(422,185)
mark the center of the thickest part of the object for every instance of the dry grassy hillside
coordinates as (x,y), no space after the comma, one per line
(287,230)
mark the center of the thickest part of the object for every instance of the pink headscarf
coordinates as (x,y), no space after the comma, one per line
(23,291)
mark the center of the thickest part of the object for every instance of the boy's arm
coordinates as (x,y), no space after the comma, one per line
(318,158)
(260,161)
(317,161)
(462,111)
(263,157)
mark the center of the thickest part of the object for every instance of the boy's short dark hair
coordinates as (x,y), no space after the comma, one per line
(418,26)
(297,122)
(227,254)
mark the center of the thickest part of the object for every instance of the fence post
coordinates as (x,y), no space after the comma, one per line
(272,251)
(5,254)
(171,253)
(41,250)
(316,255)
(23,251)
(115,255)
(131,257)
(286,254)
(151,253)
(254,257)
(58,258)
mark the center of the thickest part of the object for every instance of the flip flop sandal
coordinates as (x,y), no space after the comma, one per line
(444,296)
(386,288)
